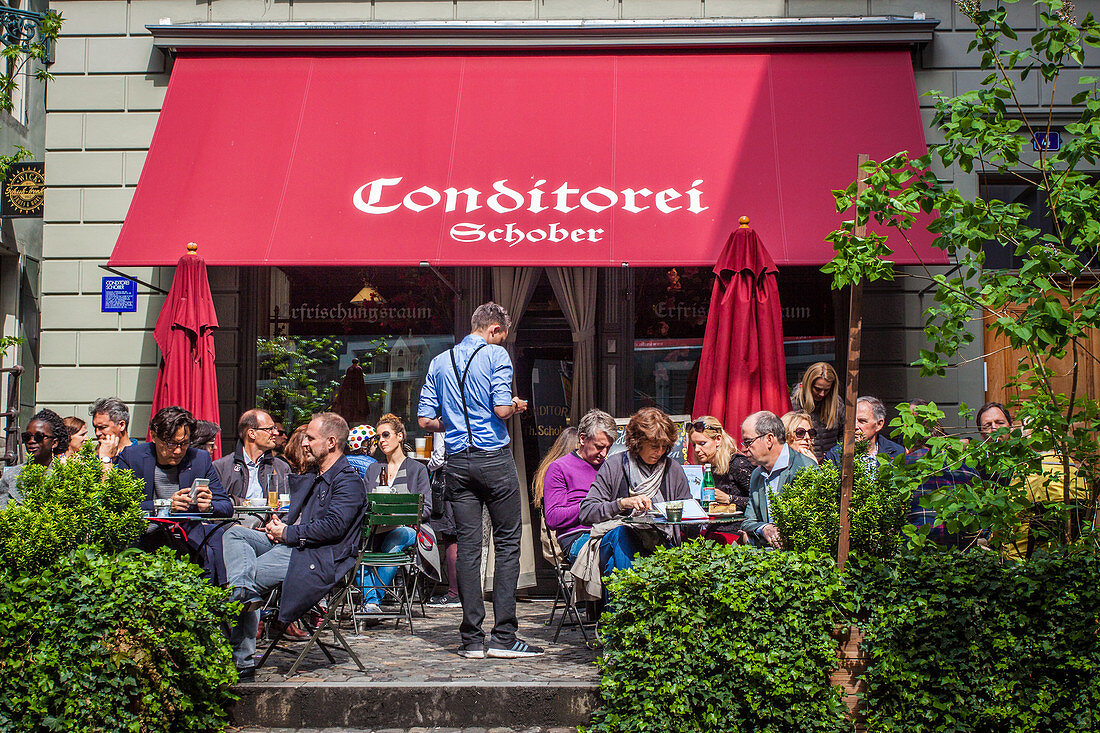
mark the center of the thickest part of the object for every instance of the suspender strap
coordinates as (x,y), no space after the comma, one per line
(462,388)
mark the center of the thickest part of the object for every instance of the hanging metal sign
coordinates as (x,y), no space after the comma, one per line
(24,191)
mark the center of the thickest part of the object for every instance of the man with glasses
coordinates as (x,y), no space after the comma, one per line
(169,466)
(251,470)
(763,438)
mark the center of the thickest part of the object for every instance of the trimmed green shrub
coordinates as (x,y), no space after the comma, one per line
(69,504)
(131,642)
(807,512)
(960,642)
(709,637)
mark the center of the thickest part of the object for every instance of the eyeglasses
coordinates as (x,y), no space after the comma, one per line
(173,443)
(37,436)
(750,441)
(270,429)
(801,433)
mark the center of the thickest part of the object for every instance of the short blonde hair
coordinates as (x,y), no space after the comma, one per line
(792,418)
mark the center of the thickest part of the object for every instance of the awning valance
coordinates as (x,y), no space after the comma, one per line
(511,159)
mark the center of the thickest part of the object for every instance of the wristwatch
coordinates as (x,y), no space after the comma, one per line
(106,461)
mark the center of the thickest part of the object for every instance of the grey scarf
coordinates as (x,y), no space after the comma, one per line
(644,479)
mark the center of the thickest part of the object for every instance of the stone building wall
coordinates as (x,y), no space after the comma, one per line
(103,107)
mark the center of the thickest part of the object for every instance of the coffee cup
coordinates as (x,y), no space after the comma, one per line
(674,511)
(257,501)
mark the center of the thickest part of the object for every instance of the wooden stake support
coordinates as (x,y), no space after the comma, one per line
(851,393)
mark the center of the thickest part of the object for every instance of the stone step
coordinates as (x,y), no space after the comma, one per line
(403,730)
(418,681)
(372,706)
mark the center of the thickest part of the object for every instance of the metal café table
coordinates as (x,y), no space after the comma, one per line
(734,519)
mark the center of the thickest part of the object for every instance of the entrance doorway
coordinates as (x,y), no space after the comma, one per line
(543,372)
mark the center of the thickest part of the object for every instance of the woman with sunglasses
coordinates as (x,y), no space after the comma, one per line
(731,470)
(801,433)
(404,475)
(45,437)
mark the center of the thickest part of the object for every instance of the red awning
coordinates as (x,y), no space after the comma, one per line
(549,159)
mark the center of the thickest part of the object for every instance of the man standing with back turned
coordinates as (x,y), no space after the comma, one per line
(468,395)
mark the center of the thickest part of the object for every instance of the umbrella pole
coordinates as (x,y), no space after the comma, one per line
(851,393)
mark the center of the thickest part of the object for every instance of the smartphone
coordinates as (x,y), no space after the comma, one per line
(200,483)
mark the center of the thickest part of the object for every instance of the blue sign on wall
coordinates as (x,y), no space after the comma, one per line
(1047,141)
(119,295)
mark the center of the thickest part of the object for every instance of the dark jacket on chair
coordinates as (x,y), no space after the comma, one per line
(233,472)
(329,510)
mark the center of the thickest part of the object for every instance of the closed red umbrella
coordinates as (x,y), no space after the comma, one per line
(742,368)
(185,335)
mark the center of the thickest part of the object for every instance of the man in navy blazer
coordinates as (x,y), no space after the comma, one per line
(168,466)
(308,552)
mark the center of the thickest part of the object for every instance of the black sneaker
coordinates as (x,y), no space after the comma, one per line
(445,600)
(246,674)
(518,650)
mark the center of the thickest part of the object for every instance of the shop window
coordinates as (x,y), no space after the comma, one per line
(391,322)
(1014,189)
(671,308)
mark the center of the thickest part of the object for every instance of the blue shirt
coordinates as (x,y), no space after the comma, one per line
(488,385)
(359,462)
(254,490)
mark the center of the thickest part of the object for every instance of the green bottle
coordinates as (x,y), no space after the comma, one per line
(708,485)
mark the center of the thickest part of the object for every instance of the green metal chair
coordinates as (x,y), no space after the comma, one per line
(385,511)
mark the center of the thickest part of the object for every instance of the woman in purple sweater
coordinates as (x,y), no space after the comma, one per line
(569,478)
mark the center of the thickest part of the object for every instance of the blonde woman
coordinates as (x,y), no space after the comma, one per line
(712,444)
(800,433)
(566,443)
(818,395)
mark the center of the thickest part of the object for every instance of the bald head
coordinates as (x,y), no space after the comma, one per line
(256,430)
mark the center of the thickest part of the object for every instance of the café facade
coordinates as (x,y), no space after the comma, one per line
(361,175)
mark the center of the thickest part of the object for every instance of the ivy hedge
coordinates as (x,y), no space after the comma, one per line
(962,642)
(720,638)
(710,637)
(131,642)
(96,637)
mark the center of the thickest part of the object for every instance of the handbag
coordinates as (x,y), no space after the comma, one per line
(439,492)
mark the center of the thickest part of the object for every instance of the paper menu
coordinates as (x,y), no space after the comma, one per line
(695,481)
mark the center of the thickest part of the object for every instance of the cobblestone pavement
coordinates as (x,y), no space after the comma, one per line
(403,730)
(429,656)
